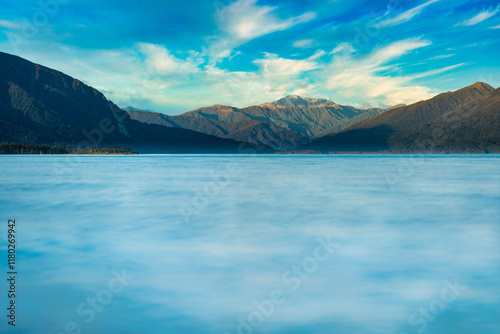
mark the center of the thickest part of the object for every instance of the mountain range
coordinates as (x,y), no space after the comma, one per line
(39,105)
(283,124)
(467,120)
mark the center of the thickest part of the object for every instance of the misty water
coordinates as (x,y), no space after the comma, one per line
(254,244)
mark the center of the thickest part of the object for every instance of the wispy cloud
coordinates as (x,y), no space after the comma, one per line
(406,16)
(304,43)
(482,16)
(442,57)
(343,47)
(272,65)
(282,76)
(496,27)
(395,50)
(10,24)
(435,72)
(244,20)
(160,60)
(358,78)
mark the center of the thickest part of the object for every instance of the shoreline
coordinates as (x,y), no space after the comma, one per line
(257,154)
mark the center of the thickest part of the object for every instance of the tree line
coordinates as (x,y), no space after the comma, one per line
(6,148)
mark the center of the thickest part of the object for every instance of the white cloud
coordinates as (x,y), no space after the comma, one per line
(482,16)
(273,66)
(438,71)
(358,78)
(343,47)
(442,57)
(406,16)
(497,27)
(304,43)
(10,24)
(160,60)
(244,20)
(395,50)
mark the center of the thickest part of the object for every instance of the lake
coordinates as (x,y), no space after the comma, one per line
(253,244)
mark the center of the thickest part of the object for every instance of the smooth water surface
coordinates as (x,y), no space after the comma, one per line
(254,244)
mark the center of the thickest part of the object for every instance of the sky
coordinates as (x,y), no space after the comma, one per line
(173,56)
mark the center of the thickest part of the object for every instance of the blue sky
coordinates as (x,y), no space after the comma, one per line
(171,56)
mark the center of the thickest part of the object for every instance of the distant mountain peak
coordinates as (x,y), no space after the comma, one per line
(480,88)
(290,100)
(298,101)
(480,84)
(222,107)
